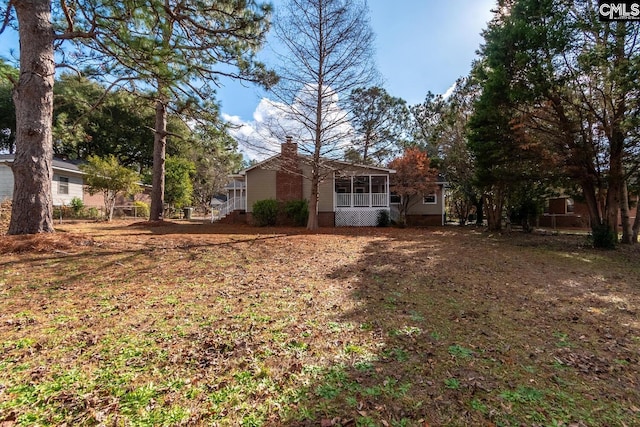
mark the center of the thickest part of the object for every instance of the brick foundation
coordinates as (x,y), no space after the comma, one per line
(424,220)
(235,217)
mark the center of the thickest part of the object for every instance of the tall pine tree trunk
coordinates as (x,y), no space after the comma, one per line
(32,209)
(159,158)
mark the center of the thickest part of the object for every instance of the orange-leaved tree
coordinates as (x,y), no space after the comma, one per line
(414,178)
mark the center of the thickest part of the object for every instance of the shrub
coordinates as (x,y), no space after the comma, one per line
(62,212)
(93,213)
(297,212)
(265,212)
(142,209)
(77,205)
(603,237)
(383,218)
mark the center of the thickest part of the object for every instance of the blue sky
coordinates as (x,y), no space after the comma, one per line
(421,46)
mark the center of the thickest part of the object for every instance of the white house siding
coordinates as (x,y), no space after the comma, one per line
(75,188)
(60,169)
(6,182)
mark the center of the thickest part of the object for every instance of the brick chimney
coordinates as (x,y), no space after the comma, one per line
(289,174)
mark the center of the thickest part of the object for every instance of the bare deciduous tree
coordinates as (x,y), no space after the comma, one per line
(327,53)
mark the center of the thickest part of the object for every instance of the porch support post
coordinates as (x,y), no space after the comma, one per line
(351,195)
(386,189)
(370,193)
(335,194)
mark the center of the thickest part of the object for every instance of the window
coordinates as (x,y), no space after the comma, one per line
(396,199)
(570,206)
(63,185)
(429,199)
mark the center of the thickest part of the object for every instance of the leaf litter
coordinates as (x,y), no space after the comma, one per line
(200,324)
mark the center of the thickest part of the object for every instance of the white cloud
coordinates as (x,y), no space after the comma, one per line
(256,138)
(272,121)
(450,91)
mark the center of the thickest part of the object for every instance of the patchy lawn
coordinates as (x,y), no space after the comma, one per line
(191,324)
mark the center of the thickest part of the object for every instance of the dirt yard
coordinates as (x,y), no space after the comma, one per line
(196,324)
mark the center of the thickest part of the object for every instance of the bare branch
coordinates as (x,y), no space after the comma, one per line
(7,16)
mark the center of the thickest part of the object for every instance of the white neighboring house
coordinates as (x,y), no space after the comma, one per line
(67,181)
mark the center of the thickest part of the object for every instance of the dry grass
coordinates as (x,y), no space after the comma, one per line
(197,324)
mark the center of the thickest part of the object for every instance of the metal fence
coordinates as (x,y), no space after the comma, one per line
(98,212)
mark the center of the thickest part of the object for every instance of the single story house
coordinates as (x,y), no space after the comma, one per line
(67,180)
(67,183)
(349,194)
(564,212)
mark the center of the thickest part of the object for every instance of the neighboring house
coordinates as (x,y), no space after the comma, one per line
(349,195)
(67,180)
(564,212)
(67,183)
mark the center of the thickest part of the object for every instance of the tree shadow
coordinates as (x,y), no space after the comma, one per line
(448,335)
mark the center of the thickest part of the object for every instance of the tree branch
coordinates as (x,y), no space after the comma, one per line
(67,16)
(7,16)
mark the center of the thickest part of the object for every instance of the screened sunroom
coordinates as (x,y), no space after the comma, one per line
(360,198)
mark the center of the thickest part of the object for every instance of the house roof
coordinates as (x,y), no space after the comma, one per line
(342,164)
(56,164)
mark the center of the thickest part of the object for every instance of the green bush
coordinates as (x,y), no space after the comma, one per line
(265,212)
(77,205)
(297,212)
(603,237)
(383,218)
(93,213)
(142,209)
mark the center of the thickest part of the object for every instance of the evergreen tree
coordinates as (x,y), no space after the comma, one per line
(181,48)
(380,121)
(8,74)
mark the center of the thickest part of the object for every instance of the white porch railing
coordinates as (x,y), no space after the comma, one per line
(362,200)
(232,204)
